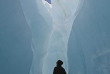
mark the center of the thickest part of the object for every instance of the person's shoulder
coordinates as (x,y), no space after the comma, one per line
(55,67)
(62,68)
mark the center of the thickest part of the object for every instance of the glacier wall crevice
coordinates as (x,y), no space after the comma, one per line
(51,27)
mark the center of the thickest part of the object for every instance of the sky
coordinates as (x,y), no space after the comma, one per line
(49,1)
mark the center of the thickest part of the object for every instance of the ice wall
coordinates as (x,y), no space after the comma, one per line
(62,20)
(88,47)
(15,39)
(40,29)
(50,26)
(89,43)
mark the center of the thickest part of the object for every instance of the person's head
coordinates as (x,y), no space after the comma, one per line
(59,63)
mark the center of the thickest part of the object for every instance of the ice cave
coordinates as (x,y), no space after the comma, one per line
(40,32)
(59,17)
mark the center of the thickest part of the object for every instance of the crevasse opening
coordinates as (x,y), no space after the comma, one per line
(49,1)
(47,4)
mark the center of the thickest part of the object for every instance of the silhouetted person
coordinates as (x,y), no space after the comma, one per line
(59,69)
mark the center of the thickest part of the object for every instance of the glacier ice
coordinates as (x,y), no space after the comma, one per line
(89,43)
(88,49)
(51,26)
(62,20)
(59,17)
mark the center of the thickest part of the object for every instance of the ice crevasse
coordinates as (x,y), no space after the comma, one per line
(85,51)
(50,25)
(62,13)
(58,18)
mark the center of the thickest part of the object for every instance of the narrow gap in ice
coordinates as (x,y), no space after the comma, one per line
(47,4)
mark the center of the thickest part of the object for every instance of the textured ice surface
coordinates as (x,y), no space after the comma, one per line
(88,46)
(51,45)
(89,43)
(88,51)
(15,39)
(62,20)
